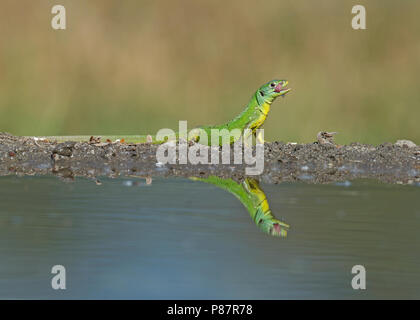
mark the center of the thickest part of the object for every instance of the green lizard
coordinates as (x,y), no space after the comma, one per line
(252,118)
(254,200)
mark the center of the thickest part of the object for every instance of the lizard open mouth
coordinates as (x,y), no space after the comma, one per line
(281,89)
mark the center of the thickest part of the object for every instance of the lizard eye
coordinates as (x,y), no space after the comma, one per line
(272,84)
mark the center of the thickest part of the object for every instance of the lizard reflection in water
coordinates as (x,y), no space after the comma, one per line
(254,200)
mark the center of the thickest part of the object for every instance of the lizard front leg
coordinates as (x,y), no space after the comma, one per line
(247,137)
(259,136)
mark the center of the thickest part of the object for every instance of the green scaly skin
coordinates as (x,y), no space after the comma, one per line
(254,200)
(252,117)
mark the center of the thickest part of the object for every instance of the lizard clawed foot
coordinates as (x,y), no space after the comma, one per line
(263,141)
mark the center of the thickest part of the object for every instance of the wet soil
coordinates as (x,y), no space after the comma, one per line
(312,163)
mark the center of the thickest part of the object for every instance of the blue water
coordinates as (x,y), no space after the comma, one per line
(177,239)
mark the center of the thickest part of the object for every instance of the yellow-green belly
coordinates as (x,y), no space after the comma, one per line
(265,108)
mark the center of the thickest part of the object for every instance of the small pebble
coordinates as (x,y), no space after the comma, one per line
(405,143)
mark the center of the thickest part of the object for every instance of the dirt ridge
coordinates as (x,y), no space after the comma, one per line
(311,163)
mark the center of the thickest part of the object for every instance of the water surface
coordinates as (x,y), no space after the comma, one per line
(178,238)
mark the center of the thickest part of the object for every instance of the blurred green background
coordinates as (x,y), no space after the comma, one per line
(133,67)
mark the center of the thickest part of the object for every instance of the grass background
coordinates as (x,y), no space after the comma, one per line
(133,67)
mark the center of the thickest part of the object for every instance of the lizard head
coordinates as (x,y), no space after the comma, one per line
(272,90)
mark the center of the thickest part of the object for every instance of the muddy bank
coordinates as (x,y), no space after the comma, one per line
(312,163)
